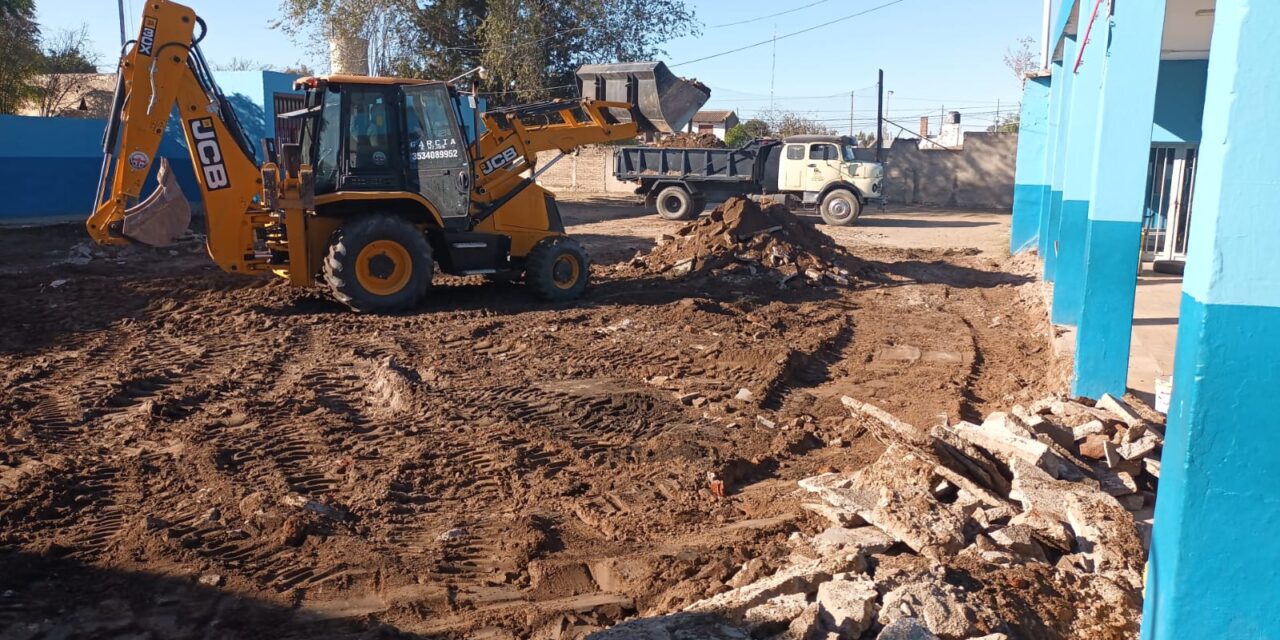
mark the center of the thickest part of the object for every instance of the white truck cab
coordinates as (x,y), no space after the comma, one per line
(824,171)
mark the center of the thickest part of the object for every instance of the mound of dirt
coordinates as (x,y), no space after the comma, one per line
(692,140)
(742,236)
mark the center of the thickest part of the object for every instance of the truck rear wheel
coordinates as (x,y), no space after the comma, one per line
(379,264)
(557,269)
(675,203)
(841,208)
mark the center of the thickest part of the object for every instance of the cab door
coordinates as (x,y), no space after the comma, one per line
(793,169)
(823,166)
(438,166)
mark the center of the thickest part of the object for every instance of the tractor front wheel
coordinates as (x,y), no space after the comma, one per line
(379,264)
(557,269)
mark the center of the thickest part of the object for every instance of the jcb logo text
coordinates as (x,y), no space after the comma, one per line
(210,154)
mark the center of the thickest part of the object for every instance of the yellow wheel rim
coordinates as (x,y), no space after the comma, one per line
(565,271)
(383,267)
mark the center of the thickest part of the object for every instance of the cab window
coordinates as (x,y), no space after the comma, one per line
(325,162)
(822,152)
(370,143)
(795,152)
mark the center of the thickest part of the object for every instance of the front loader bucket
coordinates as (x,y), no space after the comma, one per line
(663,102)
(163,216)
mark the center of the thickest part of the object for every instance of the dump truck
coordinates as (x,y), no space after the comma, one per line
(384,185)
(810,171)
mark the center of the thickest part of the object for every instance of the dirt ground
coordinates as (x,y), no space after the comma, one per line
(189,453)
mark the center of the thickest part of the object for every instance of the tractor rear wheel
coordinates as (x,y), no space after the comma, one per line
(557,269)
(379,264)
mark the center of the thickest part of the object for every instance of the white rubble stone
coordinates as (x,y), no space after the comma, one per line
(905,629)
(1120,408)
(1005,444)
(803,577)
(936,606)
(1087,429)
(847,606)
(833,515)
(777,611)
(868,540)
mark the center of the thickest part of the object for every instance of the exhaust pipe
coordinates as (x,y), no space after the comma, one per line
(662,102)
(163,217)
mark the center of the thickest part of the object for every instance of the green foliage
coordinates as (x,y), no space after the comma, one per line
(531,48)
(20,55)
(1007,124)
(745,132)
(783,123)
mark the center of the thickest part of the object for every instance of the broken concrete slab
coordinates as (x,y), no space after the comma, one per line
(1140,448)
(894,494)
(964,458)
(867,540)
(940,607)
(1006,445)
(1020,539)
(775,614)
(833,515)
(804,626)
(905,629)
(908,432)
(1001,421)
(1117,484)
(803,577)
(1103,529)
(1120,409)
(1087,429)
(847,605)
(677,626)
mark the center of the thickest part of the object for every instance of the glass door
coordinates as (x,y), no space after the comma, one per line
(1171,174)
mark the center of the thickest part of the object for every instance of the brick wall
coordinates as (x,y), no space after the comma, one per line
(978,175)
(588,170)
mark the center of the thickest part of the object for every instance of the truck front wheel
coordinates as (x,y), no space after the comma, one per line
(674,203)
(841,208)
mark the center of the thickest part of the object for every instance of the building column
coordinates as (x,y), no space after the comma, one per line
(1031,182)
(1117,198)
(1052,140)
(1214,565)
(1064,77)
(1077,182)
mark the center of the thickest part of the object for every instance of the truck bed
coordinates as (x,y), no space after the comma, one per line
(688,164)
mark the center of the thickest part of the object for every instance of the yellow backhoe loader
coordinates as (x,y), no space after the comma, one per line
(385,182)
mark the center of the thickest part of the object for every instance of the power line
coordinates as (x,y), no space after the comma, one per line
(772,15)
(788,35)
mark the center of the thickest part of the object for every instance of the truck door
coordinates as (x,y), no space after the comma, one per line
(438,167)
(823,167)
(793,169)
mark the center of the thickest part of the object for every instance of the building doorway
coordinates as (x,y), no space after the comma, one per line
(1171,178)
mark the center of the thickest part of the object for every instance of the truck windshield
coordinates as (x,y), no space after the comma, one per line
(849,156)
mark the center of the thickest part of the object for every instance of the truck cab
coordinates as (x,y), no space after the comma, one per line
(824,171)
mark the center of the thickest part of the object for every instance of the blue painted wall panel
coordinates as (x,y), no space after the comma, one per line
(1180,93)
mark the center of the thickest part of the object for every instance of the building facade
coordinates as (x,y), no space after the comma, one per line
(1148,136)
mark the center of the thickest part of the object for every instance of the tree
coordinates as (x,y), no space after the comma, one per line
(20,55)
(1007,124)
(531,48)
(865,139)
(1021,58)
(745,132)
(243,64)
(783,123)
(61,84)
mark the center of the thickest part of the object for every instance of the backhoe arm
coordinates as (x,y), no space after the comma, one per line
(164,69)
(514,136)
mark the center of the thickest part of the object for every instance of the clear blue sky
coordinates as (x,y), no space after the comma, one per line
(935,53)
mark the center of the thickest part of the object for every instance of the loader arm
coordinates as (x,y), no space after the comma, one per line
(163,70)
(514,136)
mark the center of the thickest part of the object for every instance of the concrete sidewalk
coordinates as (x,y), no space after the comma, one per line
(1155,331)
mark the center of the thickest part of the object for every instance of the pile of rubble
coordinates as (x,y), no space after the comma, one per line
(1022,526)
(742,238)
(691,141)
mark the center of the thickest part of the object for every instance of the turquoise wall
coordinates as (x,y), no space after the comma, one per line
(1180,93)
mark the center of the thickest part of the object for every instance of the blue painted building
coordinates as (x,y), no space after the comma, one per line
(49,166)
(1149,135)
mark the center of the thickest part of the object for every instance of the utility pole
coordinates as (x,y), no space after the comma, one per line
(850,114)
(120,6)
(880,118)
(997,114)
(773,69)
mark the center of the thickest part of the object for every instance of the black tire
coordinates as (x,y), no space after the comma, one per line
(384,243)
(675,203)
(557,269)
(841,208)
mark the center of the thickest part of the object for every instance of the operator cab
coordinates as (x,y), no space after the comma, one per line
(364,136)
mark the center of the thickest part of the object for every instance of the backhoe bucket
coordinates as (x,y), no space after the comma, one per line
(163,216)
(663,102)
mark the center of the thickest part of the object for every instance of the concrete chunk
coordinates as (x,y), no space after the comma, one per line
(1120,409)
(1118,484)
(847,606)
(868,540)
(939,607)
(1005,445)
(775,614)
(833,515)
(909,432)
(1087,429)
(1093,446)
(1140,448)
(905,629)
(803,577)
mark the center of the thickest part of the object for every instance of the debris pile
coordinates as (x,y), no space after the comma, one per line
(1022,526)
(740,237)
(691,141)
